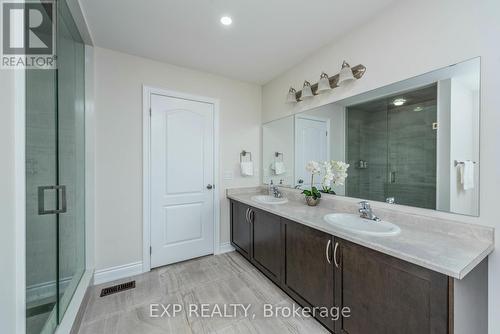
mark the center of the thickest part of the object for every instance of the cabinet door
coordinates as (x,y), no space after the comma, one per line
(388,295)
(240,228)
(267,250)
(309,270)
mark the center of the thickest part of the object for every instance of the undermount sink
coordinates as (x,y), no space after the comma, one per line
(266,199)
(356,224)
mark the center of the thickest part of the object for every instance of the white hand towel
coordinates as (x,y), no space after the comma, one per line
(247,168)
(279,168)
(467,174)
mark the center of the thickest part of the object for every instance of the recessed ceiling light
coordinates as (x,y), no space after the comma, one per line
(226,20)
(398,102)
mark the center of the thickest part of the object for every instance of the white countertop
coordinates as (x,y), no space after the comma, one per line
(450,248)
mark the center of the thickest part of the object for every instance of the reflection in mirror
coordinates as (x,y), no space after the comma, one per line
(392,145)
(278,152)
(414,142)
(320,136)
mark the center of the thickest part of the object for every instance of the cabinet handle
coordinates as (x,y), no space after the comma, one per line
(246,215)
(335,255)
(251,214)
(327,250)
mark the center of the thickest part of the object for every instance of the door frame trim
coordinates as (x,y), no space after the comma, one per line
(20,96)
(147,91)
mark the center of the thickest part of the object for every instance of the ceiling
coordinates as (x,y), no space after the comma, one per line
(267,37)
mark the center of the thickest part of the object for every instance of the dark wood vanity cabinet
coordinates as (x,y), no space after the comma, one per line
(388,295)
(240,228)
(309,270)
(385,295)
(266,250)
(256,235)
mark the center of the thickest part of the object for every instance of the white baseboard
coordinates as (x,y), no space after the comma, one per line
(131,269)
(118,272)
(225,247)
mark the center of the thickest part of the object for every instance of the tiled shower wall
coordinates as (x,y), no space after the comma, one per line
(399,148)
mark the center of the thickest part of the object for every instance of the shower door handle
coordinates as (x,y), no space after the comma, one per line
(392,177)
(61,200)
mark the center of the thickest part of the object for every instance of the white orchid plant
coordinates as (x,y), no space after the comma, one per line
(335,173)
(314,168)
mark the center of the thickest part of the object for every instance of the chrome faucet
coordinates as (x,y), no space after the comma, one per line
(390,200)
(366,211)
(274,190)
(299,184)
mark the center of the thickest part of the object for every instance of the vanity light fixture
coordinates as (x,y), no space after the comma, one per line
(399,102)
(345,74)
(323,83)
(226,20)
(291,97)
(306,90)
(326,83)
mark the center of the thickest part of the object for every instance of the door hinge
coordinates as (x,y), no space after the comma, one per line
(149,112)
(150,250)
(327,133)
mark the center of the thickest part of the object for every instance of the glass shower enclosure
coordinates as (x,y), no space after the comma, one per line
(392,148)
(55,180)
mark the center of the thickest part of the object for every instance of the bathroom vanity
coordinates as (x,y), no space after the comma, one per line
(411,148)
(404,283)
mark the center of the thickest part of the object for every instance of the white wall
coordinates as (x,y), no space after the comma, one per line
(410,38)
(7,205)
(118,110)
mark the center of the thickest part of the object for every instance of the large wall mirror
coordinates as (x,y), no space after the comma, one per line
(414,142)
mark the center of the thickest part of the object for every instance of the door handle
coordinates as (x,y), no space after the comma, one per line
(61,206)
(327,250)
(393,177)
(209,186)
(335,255)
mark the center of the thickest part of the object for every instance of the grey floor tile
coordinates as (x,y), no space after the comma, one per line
(215,280)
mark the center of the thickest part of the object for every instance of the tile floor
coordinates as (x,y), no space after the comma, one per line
(222,279)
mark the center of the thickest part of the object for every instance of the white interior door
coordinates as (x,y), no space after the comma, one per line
(311,143)
(182,174)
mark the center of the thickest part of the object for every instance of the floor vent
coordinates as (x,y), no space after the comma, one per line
(117,288)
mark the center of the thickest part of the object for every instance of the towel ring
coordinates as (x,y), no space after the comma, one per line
(244,154)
